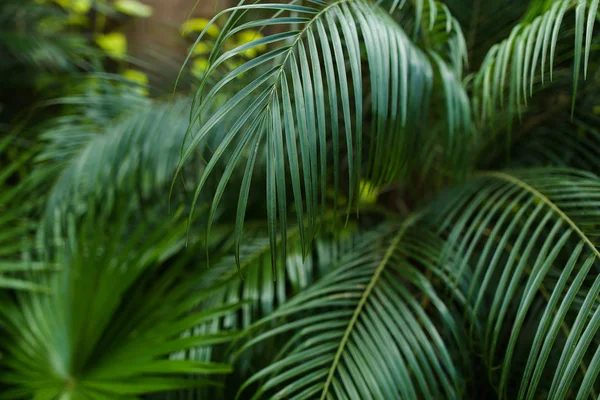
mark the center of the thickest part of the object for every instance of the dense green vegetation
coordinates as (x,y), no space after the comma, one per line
(341,199)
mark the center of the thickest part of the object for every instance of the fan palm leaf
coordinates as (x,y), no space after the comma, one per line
(113,320)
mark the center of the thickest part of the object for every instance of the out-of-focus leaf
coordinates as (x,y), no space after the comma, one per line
(134,8)
(115,44)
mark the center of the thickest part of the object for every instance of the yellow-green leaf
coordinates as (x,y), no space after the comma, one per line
(134,8)
(201,48)
(81,6)
(77,6)
(249,36)
(78,20)
(368,193)
(198,25)
(138,77)
(200,66)
(115,44)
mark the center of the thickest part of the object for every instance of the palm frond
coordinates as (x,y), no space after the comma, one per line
(261,286)
(312,82)
(515,60)
(361,332)
(114,320)
(132,156)
(433,27)
(260,293)
(528,239)
(94,105)
(260,289)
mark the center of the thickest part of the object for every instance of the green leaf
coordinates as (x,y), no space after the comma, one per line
(115,318)
(359,332)
(134,8)
(527,244)
(293,86)
(519,54)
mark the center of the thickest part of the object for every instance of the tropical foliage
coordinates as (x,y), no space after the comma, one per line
(342,199)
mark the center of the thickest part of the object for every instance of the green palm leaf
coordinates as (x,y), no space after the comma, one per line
(305,99)
(527,239)
(113,321)
(133,156)
(360,332)
(514,62)
(93,107)
(263,287)
(260,290)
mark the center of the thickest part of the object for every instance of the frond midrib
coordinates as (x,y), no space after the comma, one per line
(367,292)
(299,37)
(516,181)
(544,290)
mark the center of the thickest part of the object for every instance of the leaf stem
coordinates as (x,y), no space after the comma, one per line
(554,207)
(363,300)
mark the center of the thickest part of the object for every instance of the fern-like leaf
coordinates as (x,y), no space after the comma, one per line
(513,63)
(361,333)
(304,100)
(528,242)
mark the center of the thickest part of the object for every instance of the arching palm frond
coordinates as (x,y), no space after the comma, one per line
(307,90)
(94,105)
(118,309)
(111,142)
(547,134)
(371,328)
(514,63)
(133,156)
(263,286)
(528,239)
(432,26)
(259,288)
(260,293)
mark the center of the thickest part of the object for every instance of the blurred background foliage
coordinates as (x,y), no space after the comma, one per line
(90,138)
(423,234)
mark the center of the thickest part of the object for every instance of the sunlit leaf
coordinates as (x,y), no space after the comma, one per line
(134,8)
(115,44)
